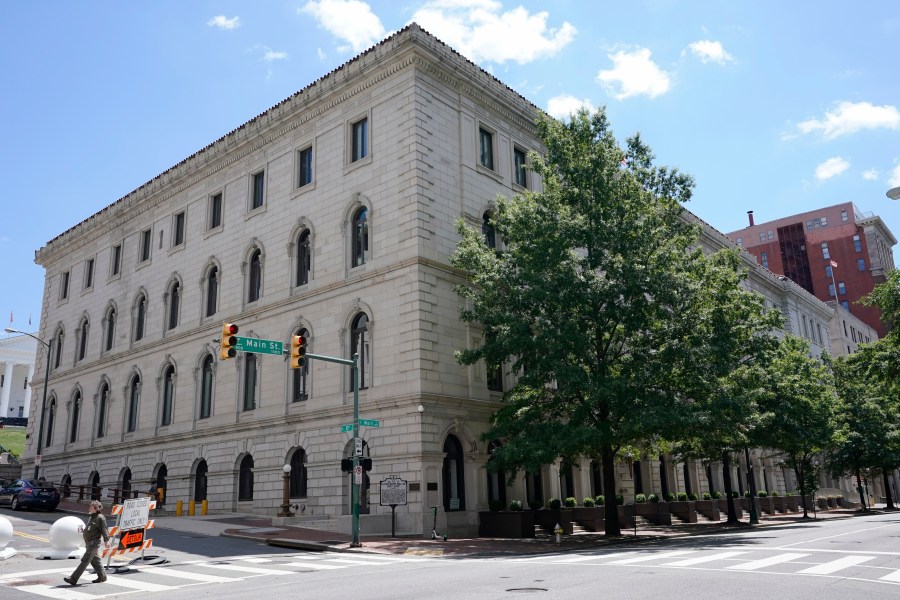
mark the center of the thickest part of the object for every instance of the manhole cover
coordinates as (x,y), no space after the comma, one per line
(527,590)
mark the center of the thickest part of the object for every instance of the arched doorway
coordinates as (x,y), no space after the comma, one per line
(125,485)
(200,481)
(66,486)
(161,473)
(94,482)
(454,475)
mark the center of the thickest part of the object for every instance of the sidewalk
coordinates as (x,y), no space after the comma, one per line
(261,530)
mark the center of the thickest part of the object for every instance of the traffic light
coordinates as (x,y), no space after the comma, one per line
(347,465)
(366,464)
(229,339)
(298,351)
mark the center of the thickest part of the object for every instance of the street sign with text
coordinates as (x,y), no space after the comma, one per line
(347,427)
(259,346)
(369,423)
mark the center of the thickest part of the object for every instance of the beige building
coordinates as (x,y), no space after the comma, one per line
(331,213)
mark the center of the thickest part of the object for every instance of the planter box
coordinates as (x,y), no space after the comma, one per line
(738,508)
(792,503)
(684,510)
(708,508)
(779,504)
(547,519)
(765,506)
(506,524)
(589,517)
(656,512)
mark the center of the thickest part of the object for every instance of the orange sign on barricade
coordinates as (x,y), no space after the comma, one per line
(131,527)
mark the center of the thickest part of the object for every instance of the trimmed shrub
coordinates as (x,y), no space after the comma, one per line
(620,499)
(587,502)
(682,496)
(535,505)
(515,505)
(774,494)
(600,500)
(707,496)
(746,494)
(640,498)
(693,496)
(554,503)
(570,502)
(495,505)
(762,494)
(653,498)
(670,497)
(734,494)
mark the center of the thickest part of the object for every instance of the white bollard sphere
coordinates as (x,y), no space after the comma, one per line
(6,532)
(66,533)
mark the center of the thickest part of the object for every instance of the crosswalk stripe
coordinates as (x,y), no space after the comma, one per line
(575,559)
(836,565)
(766,562)
(136,584)
(313,565)
(242,569)
(257,560)
(189,575)
(895,576)
(649,557)
(350,561)
(703,559)
(50,591)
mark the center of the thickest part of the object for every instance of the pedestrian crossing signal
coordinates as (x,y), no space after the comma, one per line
(298,351)
(229,339)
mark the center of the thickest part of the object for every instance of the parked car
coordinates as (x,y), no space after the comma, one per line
(27,493)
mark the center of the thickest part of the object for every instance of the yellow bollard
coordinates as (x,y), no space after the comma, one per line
(192,505)
(178,507)
(203,507)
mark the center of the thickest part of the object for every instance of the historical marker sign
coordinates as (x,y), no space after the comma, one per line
(393,491)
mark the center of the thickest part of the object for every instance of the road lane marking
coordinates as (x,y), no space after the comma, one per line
(766,562)
(136,584)
(828,537)
(836,565)
(575,559)
(64,592)
(649,557)
(253,570)
(178,574)
(313,565)
(895,576)
(31,537)
(703,559)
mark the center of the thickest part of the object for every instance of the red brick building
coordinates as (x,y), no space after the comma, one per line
(807,246)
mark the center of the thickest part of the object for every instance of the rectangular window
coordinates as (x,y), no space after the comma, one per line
(144,250)
(64,285)
(115,259)
(764,257)
(825,254)
(844,217)
(809,224)
(860,264)
(805,330)
(215,210)
(304,167)
(828,272)
(853,333)
(259,190)
(824,221)
(770,234)
(519,158)
(739,242)
(486,148)
(762,236)
(842,289)
(857,243)
(846,306)
(178,230)
(360,140)
(831,289)
(819,329)
(249,381)
(88,273)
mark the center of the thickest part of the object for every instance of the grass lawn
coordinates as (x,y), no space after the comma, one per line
(13,439)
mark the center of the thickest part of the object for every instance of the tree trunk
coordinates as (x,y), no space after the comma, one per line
(801,479)
(859,488)
(887,489)
(729,499)
(611,520)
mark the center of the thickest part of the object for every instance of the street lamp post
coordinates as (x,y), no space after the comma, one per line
(40,440)
(751,487)
(286,493)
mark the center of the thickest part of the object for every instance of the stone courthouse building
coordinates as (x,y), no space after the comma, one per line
(331,214)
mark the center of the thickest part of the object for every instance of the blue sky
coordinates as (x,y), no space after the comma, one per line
(776,107)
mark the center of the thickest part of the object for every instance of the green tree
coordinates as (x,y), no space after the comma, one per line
(587,300)
(798,410)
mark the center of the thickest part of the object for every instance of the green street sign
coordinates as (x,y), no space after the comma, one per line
(258,346)
(346,428)
(369,423)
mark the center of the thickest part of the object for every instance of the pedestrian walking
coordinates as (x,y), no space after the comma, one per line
(94,530)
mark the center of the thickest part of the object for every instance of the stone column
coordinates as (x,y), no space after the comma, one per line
(4,393)
(28,391)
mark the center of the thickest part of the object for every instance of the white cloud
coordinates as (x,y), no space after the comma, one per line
(870,174)
(710,51)
(848,117)
(272,55)
(349,20)
(321,53)
(894,180)
(831,168)
(222,22)
(563,106)
(634,74)
(480,31)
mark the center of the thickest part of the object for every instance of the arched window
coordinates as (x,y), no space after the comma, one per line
(168,395)
(488,230)
(65,486)
(58,348)
(76,409)
(206,387)
(249,381)
(212,291)
(454,480)
(496,480)
(126,482)
(359,343)
(300,377)
(304,258)
(110,329)
(134,398)
(360,237)
(82,339)
(94,482)
(51,415)
(254,281)
(140,317)
(245,479)
(298,474)
(200,481)
(103,410)
(174,304)
(161,484)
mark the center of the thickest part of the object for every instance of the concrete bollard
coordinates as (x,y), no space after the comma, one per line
(179,507)
(6,535)
(192,508)
(204,507)
(65,539)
